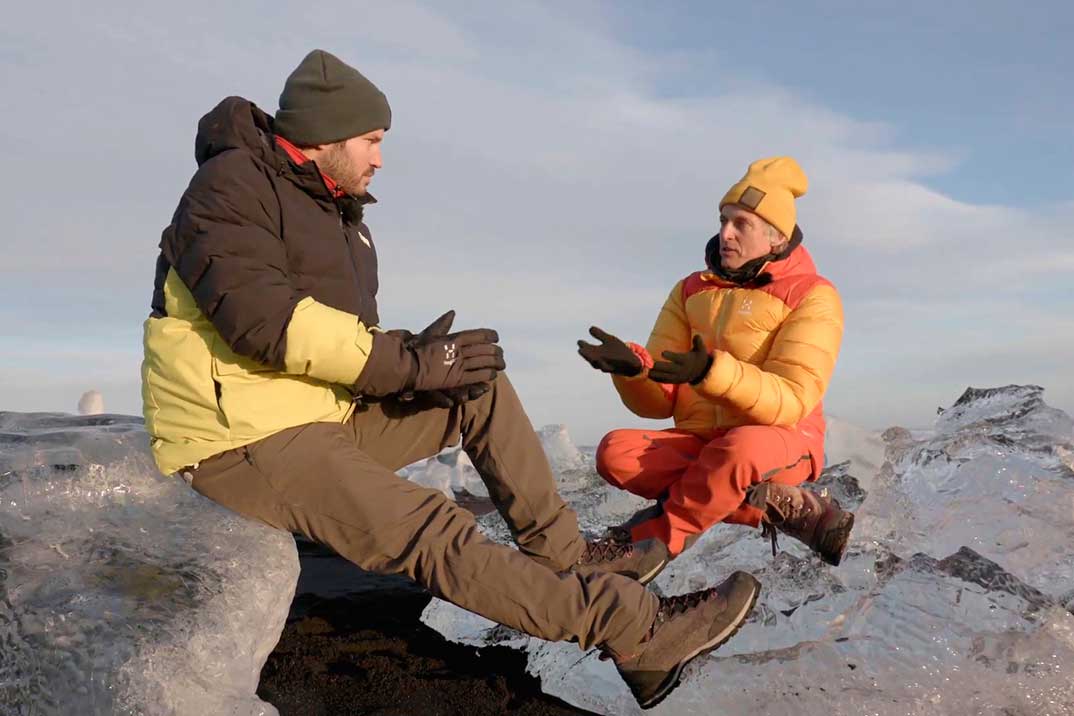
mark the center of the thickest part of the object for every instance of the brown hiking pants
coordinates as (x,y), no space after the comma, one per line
(336,484)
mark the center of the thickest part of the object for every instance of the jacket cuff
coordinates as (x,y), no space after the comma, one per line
(326,343)
(721,375)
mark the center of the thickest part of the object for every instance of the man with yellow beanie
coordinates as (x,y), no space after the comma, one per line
(747,347)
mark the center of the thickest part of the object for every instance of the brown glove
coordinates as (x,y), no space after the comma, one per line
(457,360)
(448,397)
(451,361)
(436,329)
(611,356)
(690,367)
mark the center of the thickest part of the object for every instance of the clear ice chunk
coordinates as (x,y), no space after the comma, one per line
(955,597)
(123,591)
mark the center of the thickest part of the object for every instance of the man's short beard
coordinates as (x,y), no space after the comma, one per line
(335,164)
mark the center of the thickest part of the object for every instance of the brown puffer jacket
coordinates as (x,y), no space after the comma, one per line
(264,297)
(255,233)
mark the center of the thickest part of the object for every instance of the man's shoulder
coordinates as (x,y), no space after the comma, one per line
(233,170)
(232,185)
(795,288)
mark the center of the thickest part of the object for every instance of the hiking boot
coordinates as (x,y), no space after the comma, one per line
(814,519)
(685,628)
(641,561)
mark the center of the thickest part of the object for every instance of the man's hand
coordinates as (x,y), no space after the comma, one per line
(689,367)
(448,397)
(611,356)
(436,329)
(457,360)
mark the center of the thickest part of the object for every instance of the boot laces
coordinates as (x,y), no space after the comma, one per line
(769,530)
(606,550)
(680,604)
(785,512)
(669,607)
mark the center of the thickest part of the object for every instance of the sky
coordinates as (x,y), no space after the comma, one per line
(555,166)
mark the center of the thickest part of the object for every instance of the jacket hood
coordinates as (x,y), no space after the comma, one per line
(238,123)
(235,123)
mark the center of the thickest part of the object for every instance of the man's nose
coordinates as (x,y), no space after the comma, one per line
(375,159)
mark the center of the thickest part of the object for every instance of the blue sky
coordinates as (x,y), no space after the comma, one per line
(983,81)
(552,166)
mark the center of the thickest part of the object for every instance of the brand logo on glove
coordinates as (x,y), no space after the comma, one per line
(450,355)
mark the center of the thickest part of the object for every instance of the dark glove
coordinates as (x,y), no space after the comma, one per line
(689,367)
(451,361)
(450,397)
(437,328)
(458,359)
(611,356)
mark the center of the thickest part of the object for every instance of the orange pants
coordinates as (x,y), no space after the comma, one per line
(701,479)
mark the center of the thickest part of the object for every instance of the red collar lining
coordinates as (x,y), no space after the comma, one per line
(299,157)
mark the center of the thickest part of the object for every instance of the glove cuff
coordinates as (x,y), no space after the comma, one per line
(390,368)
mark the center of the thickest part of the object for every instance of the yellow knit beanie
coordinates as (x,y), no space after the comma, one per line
(769,190)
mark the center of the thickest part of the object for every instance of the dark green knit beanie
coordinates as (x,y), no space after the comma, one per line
(326,100)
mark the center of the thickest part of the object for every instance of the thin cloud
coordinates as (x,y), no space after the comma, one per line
(541,176)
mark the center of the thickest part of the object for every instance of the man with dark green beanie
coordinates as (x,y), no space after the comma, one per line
(270,386)
(326,101)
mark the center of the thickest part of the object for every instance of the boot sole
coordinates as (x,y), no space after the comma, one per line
(672,680)
(836,540)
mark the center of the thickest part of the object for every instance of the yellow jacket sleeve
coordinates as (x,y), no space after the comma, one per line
(671,332)
(326,343)
(791,381)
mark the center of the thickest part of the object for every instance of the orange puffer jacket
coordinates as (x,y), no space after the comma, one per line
(774,348)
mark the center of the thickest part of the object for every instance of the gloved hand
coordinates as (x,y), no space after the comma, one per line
(689,367)
(437,328)
(457,359)
(448,397)
(452,361)
(611,356)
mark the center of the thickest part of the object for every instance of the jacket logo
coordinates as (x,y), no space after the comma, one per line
(450,354)
(747,306)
